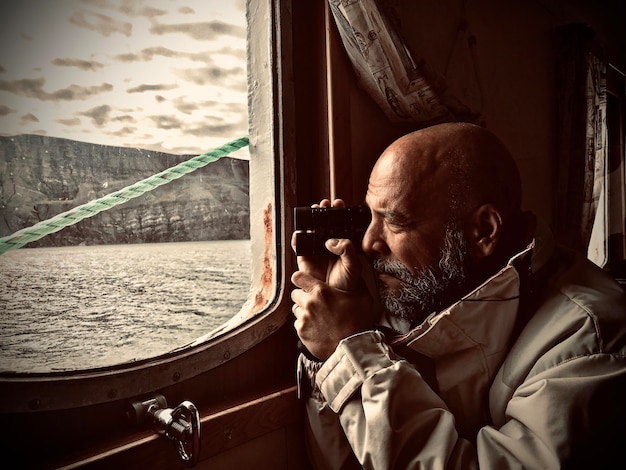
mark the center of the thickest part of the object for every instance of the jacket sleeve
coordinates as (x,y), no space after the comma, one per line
(388,414)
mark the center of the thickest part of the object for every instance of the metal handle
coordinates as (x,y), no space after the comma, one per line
(183,426)
(180,424)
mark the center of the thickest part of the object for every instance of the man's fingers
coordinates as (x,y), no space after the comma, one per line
(323,203)
(327,203)
(293,241)
(295,296)
(340,246)
(344,248)
(304,281)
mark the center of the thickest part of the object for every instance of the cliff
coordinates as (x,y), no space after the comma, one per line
(44,176)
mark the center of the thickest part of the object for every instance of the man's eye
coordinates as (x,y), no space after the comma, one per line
(396,225)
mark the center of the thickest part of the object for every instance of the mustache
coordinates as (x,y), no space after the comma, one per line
(395,269)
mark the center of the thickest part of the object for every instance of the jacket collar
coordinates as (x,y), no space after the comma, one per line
(479,313)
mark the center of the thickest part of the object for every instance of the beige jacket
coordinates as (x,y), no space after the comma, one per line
(479,385)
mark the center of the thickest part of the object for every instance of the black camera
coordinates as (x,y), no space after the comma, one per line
(313,226)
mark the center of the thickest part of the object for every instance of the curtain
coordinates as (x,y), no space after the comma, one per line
(405,89)
(595,206)
(581,205)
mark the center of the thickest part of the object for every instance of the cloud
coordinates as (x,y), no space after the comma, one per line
(129,57)
(202,31)
(75,92)
(239,109)
(99,114)
(184,106)
(125,118)
(215,76)
(69,122)
(5,110)
(227,130)
(224,108)
(147,54)
(240,53)
(130,8)
(80,64)
(34,88)
(166,122)
(28,118)
(100,23)
(146,87)
(124,132)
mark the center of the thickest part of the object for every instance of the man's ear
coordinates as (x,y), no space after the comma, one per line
(484,231)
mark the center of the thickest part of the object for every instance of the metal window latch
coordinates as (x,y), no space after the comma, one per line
(180,424)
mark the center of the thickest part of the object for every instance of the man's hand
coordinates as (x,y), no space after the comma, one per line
(332,301)
(325,315)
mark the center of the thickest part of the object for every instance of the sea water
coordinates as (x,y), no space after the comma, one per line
(82,307)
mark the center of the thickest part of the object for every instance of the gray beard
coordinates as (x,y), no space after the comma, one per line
(432,288)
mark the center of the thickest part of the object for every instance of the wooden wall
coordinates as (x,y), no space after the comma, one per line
(515,86)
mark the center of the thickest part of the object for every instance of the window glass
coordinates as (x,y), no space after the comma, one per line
(96,96)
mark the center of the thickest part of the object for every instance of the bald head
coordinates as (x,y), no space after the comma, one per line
(462,163)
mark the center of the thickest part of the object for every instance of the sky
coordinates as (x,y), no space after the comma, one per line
(164,75)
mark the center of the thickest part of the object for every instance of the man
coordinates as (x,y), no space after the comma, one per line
(493,348)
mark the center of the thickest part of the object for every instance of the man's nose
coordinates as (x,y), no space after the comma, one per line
(374,245)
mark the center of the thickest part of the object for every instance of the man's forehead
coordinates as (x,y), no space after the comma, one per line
(408,181)
(387,192)
(402,171)
(383,179)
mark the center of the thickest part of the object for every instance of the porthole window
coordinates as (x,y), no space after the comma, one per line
(96,97)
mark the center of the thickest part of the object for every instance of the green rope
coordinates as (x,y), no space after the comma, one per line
(65,219)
